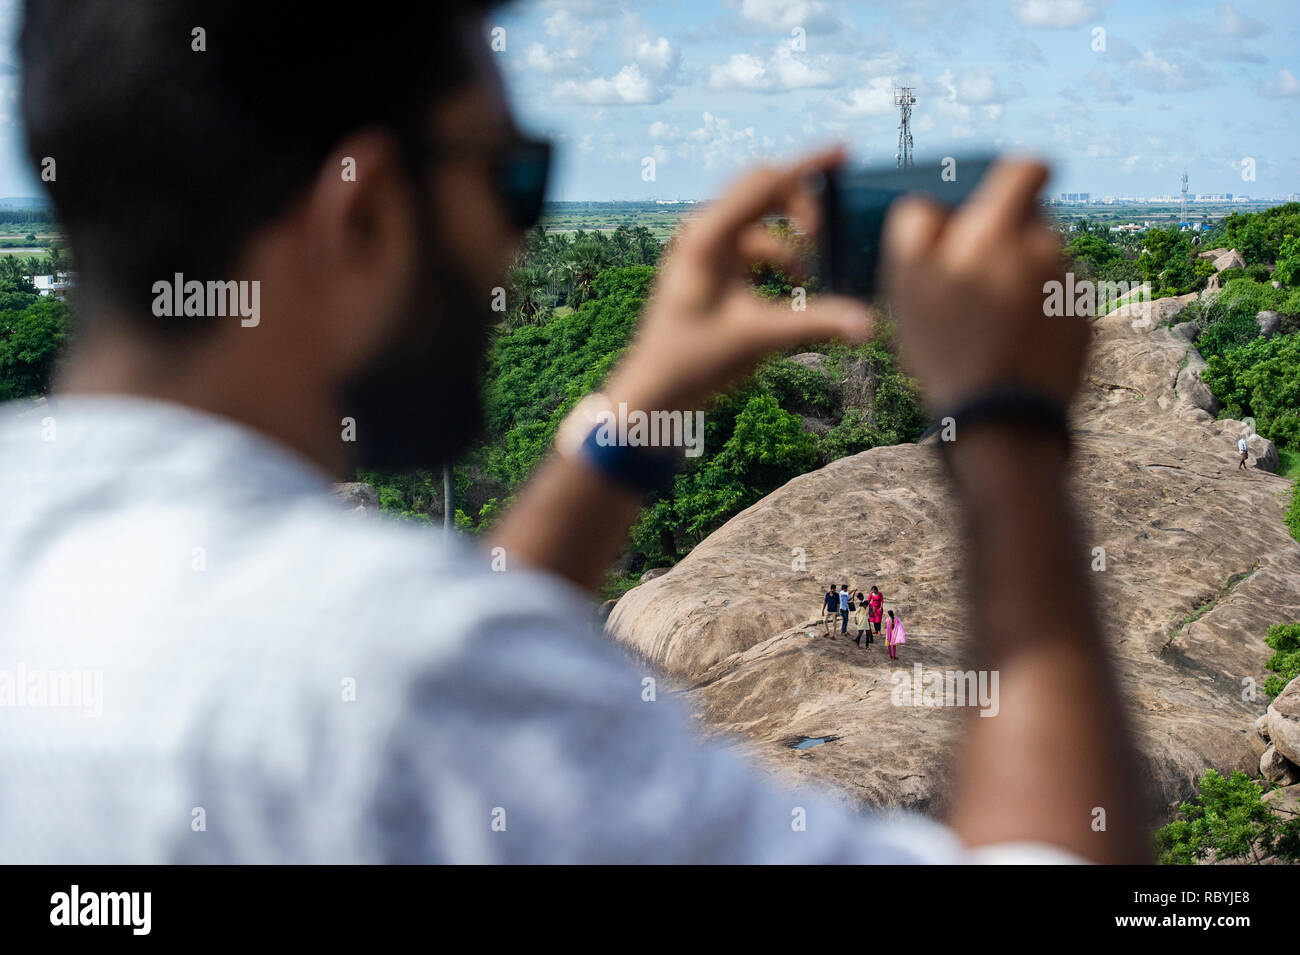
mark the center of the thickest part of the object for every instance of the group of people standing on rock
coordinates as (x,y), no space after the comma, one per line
(867,611)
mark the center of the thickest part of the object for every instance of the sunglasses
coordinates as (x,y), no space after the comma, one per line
(520,169)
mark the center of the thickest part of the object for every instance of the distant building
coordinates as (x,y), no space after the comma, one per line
(56,285)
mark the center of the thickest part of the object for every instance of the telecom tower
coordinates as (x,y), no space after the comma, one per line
(1182,219)
(904,100)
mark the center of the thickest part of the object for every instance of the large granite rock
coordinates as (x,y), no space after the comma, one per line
(1284,721)
(1232,259)
(1197,565)
(1276,768)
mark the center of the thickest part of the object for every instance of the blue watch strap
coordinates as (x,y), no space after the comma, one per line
(638,469)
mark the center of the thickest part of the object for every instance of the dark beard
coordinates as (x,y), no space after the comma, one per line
(418,404)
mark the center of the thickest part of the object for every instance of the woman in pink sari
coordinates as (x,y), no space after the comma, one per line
(894,634)
(875,604)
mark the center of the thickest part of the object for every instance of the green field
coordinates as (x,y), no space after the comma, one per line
(662,221)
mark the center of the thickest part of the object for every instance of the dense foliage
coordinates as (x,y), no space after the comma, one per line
(1284,638)
(1253,376)
(1228,818)
(32,332)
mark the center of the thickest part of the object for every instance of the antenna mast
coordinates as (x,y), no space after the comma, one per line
(904,100)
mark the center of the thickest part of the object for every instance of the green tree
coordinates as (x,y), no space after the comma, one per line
(1284,638)
(1287,270)
(30,342)
(1229,819)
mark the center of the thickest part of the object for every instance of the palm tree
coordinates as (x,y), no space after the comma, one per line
(58,261)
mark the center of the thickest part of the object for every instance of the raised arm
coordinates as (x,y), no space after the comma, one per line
(1056,763)
(703,330)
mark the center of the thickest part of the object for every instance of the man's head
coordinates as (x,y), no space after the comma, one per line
(352,166)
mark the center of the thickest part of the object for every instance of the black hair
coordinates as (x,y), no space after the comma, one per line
(168,159)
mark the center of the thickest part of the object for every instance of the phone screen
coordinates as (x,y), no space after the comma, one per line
(854,204)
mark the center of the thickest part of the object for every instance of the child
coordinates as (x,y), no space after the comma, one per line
(894,634)
(860,621)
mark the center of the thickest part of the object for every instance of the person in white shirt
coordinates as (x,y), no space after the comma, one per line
(244,672)
(1243,448)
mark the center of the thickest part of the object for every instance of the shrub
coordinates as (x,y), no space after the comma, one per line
(1229,818)
(1260,379)
(1284,638)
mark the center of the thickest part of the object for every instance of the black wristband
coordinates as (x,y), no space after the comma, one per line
(1014,406)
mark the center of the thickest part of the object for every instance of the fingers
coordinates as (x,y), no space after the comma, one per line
(773,326)
(1006,197)
(764,190)
(1003,204)
(912,229)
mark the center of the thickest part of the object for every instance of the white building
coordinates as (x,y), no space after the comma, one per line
(57,285)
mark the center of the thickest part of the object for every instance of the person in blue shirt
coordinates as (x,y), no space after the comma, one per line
(844,608)
(830,606)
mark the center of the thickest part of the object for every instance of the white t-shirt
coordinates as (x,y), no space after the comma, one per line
(251,673)
(1241,445)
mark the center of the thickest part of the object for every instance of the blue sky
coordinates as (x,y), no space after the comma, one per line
(704,87)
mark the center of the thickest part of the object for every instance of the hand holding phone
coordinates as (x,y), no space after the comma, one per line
(854,205)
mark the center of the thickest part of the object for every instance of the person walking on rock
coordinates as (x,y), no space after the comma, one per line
(844,610)
(1243,448)
(861,622)
(830,606)
(895,635)
(876,603)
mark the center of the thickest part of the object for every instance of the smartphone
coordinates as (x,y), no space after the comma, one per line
(854,204)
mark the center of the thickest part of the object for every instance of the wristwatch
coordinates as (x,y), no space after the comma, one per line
(590,434)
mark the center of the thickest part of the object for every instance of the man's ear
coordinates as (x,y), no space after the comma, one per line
(359,232)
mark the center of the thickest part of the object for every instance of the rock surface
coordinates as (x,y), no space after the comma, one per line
(1198,565)
(1284,721)
(1277,768)
(1232,259)
(1269,322)
(358,497)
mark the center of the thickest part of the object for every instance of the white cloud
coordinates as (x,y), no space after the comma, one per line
(628,87)
(717,144)
(657,57)
(1057,14)
(1153,72)
(782,71)
(1284,84)
(874,99)
(815,16)
(1234,24)
(981,86)
(539,59)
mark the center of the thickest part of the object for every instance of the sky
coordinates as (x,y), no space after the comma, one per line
(1119,96)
